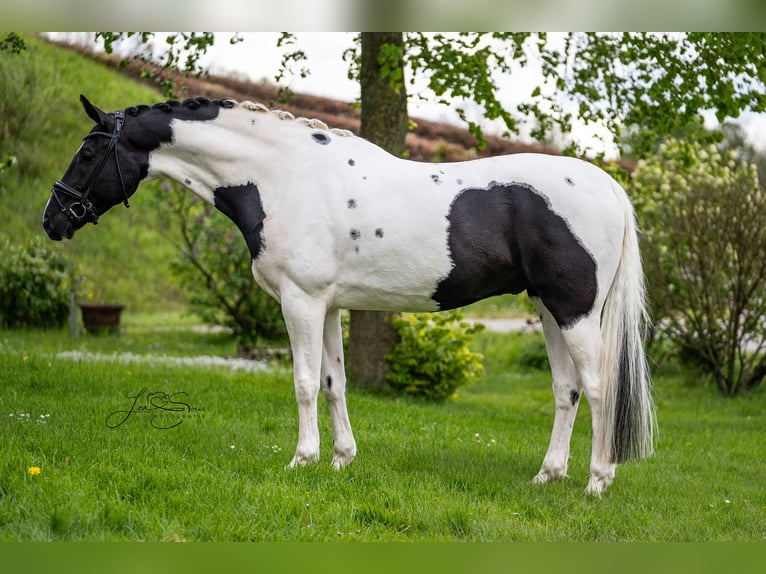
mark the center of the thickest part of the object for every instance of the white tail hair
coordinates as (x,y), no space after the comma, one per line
(628,419)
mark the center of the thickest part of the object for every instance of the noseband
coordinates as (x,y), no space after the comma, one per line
(82,208)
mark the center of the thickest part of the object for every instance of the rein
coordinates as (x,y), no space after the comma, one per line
(82,208)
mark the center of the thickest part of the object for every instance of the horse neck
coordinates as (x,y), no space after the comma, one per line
(229,150)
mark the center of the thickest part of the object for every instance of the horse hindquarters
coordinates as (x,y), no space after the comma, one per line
(605,349)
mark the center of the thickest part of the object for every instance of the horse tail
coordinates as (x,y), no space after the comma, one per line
(628,421)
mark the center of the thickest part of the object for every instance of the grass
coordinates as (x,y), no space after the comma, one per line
(455,471)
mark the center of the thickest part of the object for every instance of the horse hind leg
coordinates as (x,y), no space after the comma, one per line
(566,394)
(584,343)
(333,380)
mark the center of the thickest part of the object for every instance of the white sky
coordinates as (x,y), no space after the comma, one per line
(258,58)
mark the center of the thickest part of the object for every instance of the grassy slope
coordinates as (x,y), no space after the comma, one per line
(124,258)
(458,471)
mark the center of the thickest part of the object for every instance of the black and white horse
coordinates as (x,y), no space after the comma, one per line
(332,221)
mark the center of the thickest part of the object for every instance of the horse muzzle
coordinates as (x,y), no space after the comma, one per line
(57,224)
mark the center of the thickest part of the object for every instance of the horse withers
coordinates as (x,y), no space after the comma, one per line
(332,221)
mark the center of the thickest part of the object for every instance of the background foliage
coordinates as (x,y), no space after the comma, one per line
(704,245)
(212,267)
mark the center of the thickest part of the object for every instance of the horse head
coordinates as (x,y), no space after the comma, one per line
(105,171)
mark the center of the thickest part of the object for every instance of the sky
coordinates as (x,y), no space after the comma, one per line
(257,58)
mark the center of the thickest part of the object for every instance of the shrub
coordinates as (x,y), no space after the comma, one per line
(34,285)
(432,358)
(213,268)
(704,247)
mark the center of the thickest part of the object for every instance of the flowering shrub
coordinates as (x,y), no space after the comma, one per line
(432,358)
(33,285)
(704,246)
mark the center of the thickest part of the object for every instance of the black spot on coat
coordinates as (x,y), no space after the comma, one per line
(379,232)
(242,204)
(355,234)
(574,396)
(321,138)
(507,239)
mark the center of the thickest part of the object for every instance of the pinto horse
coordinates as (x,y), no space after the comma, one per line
(332,221)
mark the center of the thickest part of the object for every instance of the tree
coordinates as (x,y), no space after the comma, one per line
(384,121)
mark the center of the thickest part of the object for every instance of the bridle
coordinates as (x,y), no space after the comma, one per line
(82,208)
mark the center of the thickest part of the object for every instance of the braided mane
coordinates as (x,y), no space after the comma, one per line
(228,103)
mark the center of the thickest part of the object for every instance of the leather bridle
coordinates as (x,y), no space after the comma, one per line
(82,208)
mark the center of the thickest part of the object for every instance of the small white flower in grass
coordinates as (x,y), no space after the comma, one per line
(231,446)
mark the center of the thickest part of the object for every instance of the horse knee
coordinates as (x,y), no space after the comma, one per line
(306,391)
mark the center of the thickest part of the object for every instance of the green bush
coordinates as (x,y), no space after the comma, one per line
(432,358)
(34,285)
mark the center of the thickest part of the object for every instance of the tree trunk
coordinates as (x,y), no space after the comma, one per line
(384,122)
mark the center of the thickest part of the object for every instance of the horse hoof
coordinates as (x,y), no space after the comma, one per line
(597,485)
(339,461)
(303,460)
(549,475)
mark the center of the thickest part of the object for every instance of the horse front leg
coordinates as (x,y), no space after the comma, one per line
(333,382)
(304,317)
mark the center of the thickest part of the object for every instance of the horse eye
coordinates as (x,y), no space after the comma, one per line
(86,155)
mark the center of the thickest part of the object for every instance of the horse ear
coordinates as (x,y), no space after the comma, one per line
(93,112)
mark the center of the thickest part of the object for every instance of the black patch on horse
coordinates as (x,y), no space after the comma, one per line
(242,204)
(156,120)
(506,239)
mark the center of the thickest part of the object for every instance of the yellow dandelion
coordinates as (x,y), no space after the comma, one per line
(25,358)
(33,470)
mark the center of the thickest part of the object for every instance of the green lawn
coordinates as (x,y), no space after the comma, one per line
(455,471)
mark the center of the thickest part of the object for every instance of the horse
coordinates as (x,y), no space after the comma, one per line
(332,222)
